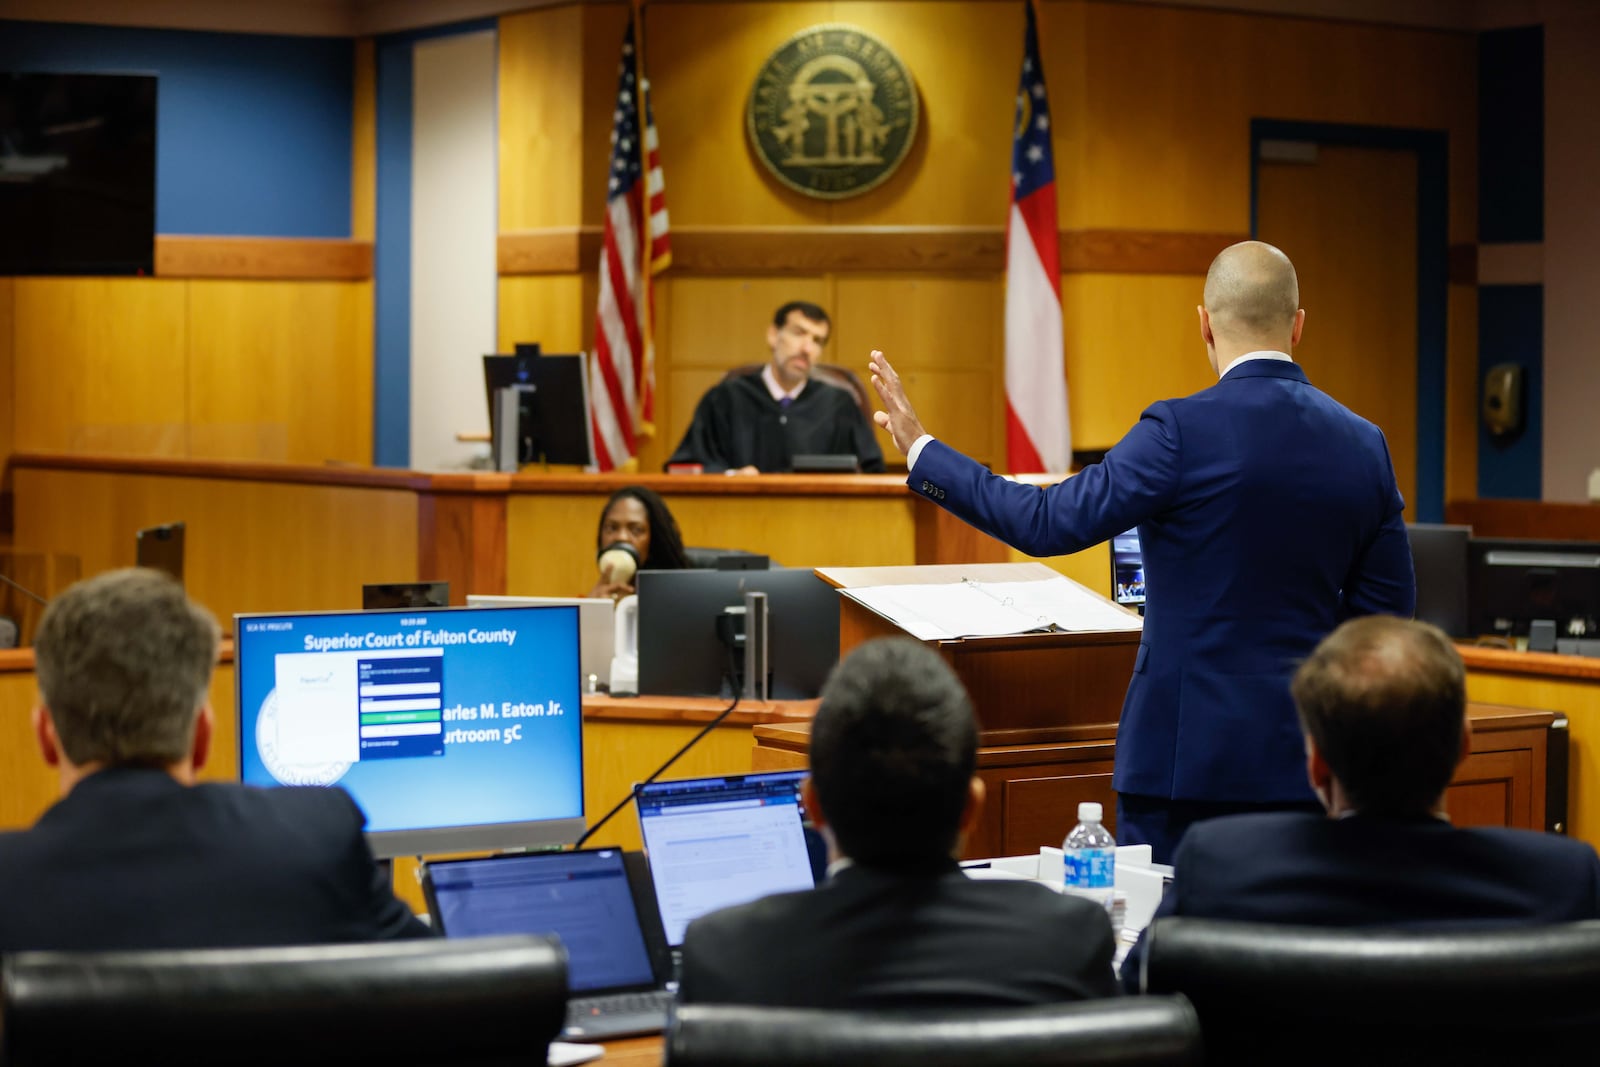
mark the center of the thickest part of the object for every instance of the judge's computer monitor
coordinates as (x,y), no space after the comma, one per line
(538,409)
(454,729)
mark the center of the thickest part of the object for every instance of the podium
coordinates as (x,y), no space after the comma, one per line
(1047,707)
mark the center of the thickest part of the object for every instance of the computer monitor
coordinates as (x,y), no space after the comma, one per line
(682,654)
(1127,570)
(717,842)
(1439,559)
(161,548)
(1513,582)
(376,596)
(548,397)
(456,729)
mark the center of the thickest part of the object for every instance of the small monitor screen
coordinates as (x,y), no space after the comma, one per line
(717,842)
(1127,569)
(1514,582)
(454,729)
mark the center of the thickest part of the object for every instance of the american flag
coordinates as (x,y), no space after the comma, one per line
(622,372)
(1037,435)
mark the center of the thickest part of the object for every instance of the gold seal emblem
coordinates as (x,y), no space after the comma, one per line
(833,112)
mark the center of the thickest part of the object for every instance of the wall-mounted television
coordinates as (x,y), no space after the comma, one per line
(77,173)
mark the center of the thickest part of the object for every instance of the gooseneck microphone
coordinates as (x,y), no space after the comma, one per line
(659,771)
(24,590)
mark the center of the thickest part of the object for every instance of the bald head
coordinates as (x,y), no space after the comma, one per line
(1252,294)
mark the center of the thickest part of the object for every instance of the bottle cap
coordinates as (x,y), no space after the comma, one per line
(1090,811)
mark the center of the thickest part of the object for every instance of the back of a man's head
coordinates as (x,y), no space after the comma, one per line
(124,661)
(893,748)
(1384,699)
(1252,292)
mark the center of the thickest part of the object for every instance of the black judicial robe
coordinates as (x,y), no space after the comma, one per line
(738,424)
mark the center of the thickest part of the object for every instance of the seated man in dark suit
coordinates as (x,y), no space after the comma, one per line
(1382,702)
(897,923)
(137,855)
(757,423)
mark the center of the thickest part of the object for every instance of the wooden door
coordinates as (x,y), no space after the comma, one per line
(1348,220)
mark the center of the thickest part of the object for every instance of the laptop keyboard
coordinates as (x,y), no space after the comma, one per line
(618,1012)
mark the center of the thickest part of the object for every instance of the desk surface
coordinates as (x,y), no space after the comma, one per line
(633,1051)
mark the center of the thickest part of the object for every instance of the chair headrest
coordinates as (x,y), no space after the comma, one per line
(1137,1031)
(417,1001)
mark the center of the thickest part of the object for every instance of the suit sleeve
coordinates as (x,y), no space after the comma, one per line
(1382,581)
(705,441)
(387,917)
(1137,479)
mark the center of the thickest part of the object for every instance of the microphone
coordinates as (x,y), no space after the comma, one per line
(24,590)
(659,771)
(621,560)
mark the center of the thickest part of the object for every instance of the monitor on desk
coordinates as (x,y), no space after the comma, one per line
(454,729)
(681,652)
(1127,570)
(1514,582)
(538,409)
(1439,560)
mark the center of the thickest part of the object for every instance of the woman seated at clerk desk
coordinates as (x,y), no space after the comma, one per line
(637,517)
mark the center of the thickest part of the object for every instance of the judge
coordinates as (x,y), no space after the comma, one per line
(756,423)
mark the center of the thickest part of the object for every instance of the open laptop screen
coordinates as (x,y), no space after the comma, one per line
(716,842)
(581,897)
(1127,569)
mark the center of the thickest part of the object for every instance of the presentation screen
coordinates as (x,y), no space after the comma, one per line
(455,729)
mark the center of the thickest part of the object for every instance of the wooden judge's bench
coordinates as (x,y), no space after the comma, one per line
(1048,706)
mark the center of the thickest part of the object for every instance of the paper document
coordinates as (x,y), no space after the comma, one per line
(992,609)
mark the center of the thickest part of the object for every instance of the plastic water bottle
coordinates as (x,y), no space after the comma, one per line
(1089,857)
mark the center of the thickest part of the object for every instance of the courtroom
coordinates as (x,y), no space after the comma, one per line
(1095,512)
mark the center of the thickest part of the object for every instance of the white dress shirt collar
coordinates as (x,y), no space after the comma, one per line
(1265,353)
(776,388)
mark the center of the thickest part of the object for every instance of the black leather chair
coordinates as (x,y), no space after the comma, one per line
(1304,995)
(1136,1032)
(487,1001)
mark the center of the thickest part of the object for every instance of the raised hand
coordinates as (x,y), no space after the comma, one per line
(897,416)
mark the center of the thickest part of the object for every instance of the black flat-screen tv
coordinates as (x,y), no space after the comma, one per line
(77,173)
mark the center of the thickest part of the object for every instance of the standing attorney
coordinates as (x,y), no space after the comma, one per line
(1268,513)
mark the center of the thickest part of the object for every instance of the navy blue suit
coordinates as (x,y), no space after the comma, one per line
(1268,513)
(1371,871)
(869,938)
(133,859)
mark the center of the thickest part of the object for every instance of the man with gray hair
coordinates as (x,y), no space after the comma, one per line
(137,854)
(1267,512)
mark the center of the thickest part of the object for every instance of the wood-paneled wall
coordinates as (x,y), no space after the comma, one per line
(196,369)
(1151,109)
(251,545)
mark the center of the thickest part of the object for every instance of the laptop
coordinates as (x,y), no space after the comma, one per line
(1127,570)
(716,842)
(617,985)
(596,629)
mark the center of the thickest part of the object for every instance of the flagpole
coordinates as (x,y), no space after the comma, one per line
(647,309)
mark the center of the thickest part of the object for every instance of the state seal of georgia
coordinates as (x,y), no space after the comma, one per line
(833,112)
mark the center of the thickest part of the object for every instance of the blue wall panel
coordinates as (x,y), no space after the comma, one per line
(253,131)
(1511,330)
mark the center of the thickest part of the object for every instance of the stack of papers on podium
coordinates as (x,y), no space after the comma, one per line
(948,611)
